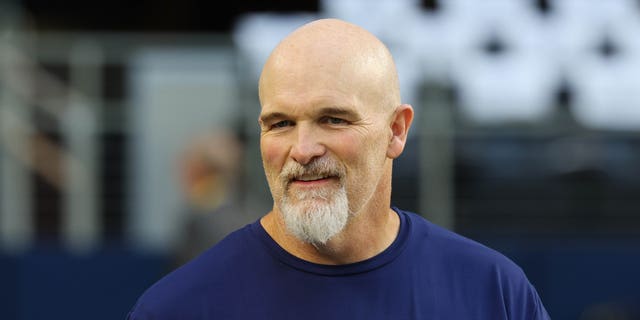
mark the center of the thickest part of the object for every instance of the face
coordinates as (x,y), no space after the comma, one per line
(331,124)
(324,151)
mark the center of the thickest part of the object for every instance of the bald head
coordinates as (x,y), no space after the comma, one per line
(331,54)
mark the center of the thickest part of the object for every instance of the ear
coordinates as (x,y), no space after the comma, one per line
(400,123)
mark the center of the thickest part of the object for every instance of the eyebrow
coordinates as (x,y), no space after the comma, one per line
(330,111)
(338,111)
(268,117)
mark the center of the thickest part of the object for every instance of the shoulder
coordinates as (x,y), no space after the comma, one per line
(459,255)
(203,277)
(452,247)
(468,266)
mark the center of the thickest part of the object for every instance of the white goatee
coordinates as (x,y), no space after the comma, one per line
(318,215)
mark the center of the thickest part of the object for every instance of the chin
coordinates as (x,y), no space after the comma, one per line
(318,219)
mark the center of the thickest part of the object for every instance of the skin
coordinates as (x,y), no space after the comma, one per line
(330,89)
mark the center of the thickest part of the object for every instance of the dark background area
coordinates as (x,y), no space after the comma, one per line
(152,15)
(168,15)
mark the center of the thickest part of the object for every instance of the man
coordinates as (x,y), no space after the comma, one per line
(332,246)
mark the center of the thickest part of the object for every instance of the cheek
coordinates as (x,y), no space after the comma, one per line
(347,147)
(363,152)
(272,153)
(365,158)
(360,156)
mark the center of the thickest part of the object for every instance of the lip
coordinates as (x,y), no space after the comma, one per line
(313,183)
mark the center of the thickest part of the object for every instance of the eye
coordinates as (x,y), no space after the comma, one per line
(333,120)
(282,124)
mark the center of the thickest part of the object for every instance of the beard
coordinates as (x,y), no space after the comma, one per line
(314,216)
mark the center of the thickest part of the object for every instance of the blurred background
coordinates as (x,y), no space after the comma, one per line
(129,139)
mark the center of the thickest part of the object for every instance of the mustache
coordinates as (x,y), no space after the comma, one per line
(320,166)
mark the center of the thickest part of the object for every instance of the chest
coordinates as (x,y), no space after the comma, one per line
(404,294)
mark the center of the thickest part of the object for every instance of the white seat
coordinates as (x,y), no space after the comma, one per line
(607,90)
(514,88)
(579,26)
(470,22)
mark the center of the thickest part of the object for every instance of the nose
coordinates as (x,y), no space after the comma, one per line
(307,145)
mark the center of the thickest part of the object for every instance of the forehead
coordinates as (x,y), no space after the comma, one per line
(295,88)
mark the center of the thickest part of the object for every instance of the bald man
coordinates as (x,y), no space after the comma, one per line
(332,246)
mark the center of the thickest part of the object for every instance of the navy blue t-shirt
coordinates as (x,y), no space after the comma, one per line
(427,273)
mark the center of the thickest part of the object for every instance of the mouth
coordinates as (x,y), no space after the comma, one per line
(307,178)
(313,180)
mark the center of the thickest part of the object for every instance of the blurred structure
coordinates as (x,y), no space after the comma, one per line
(177,93)
(119,150)
(210,176)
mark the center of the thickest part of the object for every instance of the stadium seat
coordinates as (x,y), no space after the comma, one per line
(500,66)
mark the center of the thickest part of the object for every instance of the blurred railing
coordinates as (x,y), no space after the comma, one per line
(59,104)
